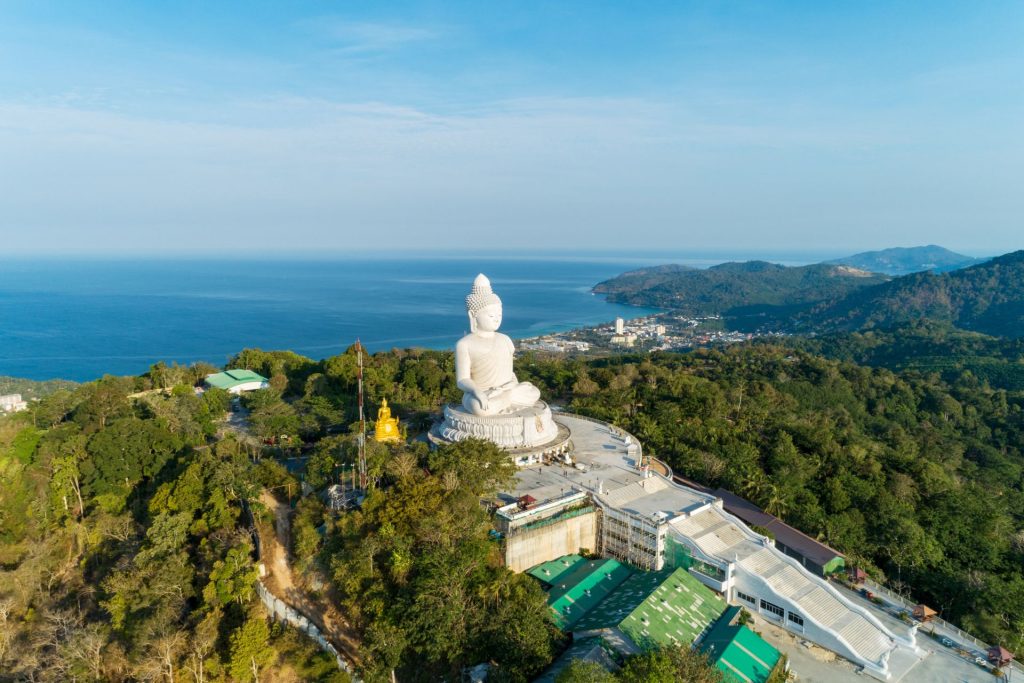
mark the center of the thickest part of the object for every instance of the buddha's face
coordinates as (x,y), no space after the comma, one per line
(487,319)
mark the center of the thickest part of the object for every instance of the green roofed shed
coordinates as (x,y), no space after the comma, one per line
(657,609)
(579,585)
(739,653)
(549,572)
(237,381)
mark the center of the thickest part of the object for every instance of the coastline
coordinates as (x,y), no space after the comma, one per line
(81,321)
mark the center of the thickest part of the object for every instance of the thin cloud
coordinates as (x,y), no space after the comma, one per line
(355,37)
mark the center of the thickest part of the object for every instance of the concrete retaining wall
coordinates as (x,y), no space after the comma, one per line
(528,548)
(282,611)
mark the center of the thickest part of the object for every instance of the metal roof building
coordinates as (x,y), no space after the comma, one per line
(739,653)
(656,608)
(814,555)
(237,381)
(575,585)
(586,649)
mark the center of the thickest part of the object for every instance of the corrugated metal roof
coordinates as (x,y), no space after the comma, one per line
(549,572)
(739,653)
(751,514)
(657,608)
(793,538)
(232,378)
(579,590)
(588,649)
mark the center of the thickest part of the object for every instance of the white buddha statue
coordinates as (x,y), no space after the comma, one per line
(483,359)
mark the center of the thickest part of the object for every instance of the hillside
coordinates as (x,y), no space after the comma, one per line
(31,389)
(988,298)
(735,288)
(123,523)
(926,347)
(906,260)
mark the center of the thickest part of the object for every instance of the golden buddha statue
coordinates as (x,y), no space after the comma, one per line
(387,426)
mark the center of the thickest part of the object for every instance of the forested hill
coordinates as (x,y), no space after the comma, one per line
(987,298)
(906,472)
(724,288)
(124,549)
(906,260)
(31,389)
(926,347)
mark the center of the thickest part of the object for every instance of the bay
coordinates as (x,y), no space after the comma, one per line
(80,319)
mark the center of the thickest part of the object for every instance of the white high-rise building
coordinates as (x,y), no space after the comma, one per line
(620,326)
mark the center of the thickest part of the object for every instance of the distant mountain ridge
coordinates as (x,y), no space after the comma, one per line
(987,297)
(724,287)
(906,260)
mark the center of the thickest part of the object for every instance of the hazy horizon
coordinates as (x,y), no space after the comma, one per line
(707,254)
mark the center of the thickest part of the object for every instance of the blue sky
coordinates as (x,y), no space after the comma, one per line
(318,126)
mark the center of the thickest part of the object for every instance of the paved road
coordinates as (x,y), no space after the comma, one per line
(961,661)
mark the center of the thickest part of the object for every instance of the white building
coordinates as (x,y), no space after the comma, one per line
(237,381)
(620,326)
(651,521)
(12,403)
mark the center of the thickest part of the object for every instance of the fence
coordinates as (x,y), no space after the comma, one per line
(954,631)
(282,611)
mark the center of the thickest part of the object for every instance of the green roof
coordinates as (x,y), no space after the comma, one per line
(577,592)
(548,572)
(657,608)
(232,378)
(740,654)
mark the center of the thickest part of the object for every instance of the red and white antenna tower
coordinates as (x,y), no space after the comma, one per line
(362,418)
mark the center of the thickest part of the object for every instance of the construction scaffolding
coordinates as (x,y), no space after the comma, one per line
(631,538)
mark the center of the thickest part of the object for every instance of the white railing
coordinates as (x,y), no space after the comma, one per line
(954,631)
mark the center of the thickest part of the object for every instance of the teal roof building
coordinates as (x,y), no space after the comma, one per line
(237,381)
(633,609)
(670,607)
(576,585)
(739,653)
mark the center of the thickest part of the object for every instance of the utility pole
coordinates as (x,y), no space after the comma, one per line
(362,419)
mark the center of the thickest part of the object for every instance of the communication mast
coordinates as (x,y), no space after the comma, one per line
(362,418)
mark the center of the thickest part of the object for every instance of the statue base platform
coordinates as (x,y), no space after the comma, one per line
(524,432)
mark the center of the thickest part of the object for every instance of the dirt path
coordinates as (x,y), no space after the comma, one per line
(282,583)
(275,553)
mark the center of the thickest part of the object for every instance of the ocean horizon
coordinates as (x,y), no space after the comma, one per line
(80,318)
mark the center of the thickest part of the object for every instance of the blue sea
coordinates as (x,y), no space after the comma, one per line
(79,319)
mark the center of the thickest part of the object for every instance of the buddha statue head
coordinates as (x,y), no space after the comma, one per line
(483,307)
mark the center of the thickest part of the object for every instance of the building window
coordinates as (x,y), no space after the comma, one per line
(746,598)
(773,610)
(796,619)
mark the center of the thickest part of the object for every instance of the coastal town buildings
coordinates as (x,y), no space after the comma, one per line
(659,332)
(12,403)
